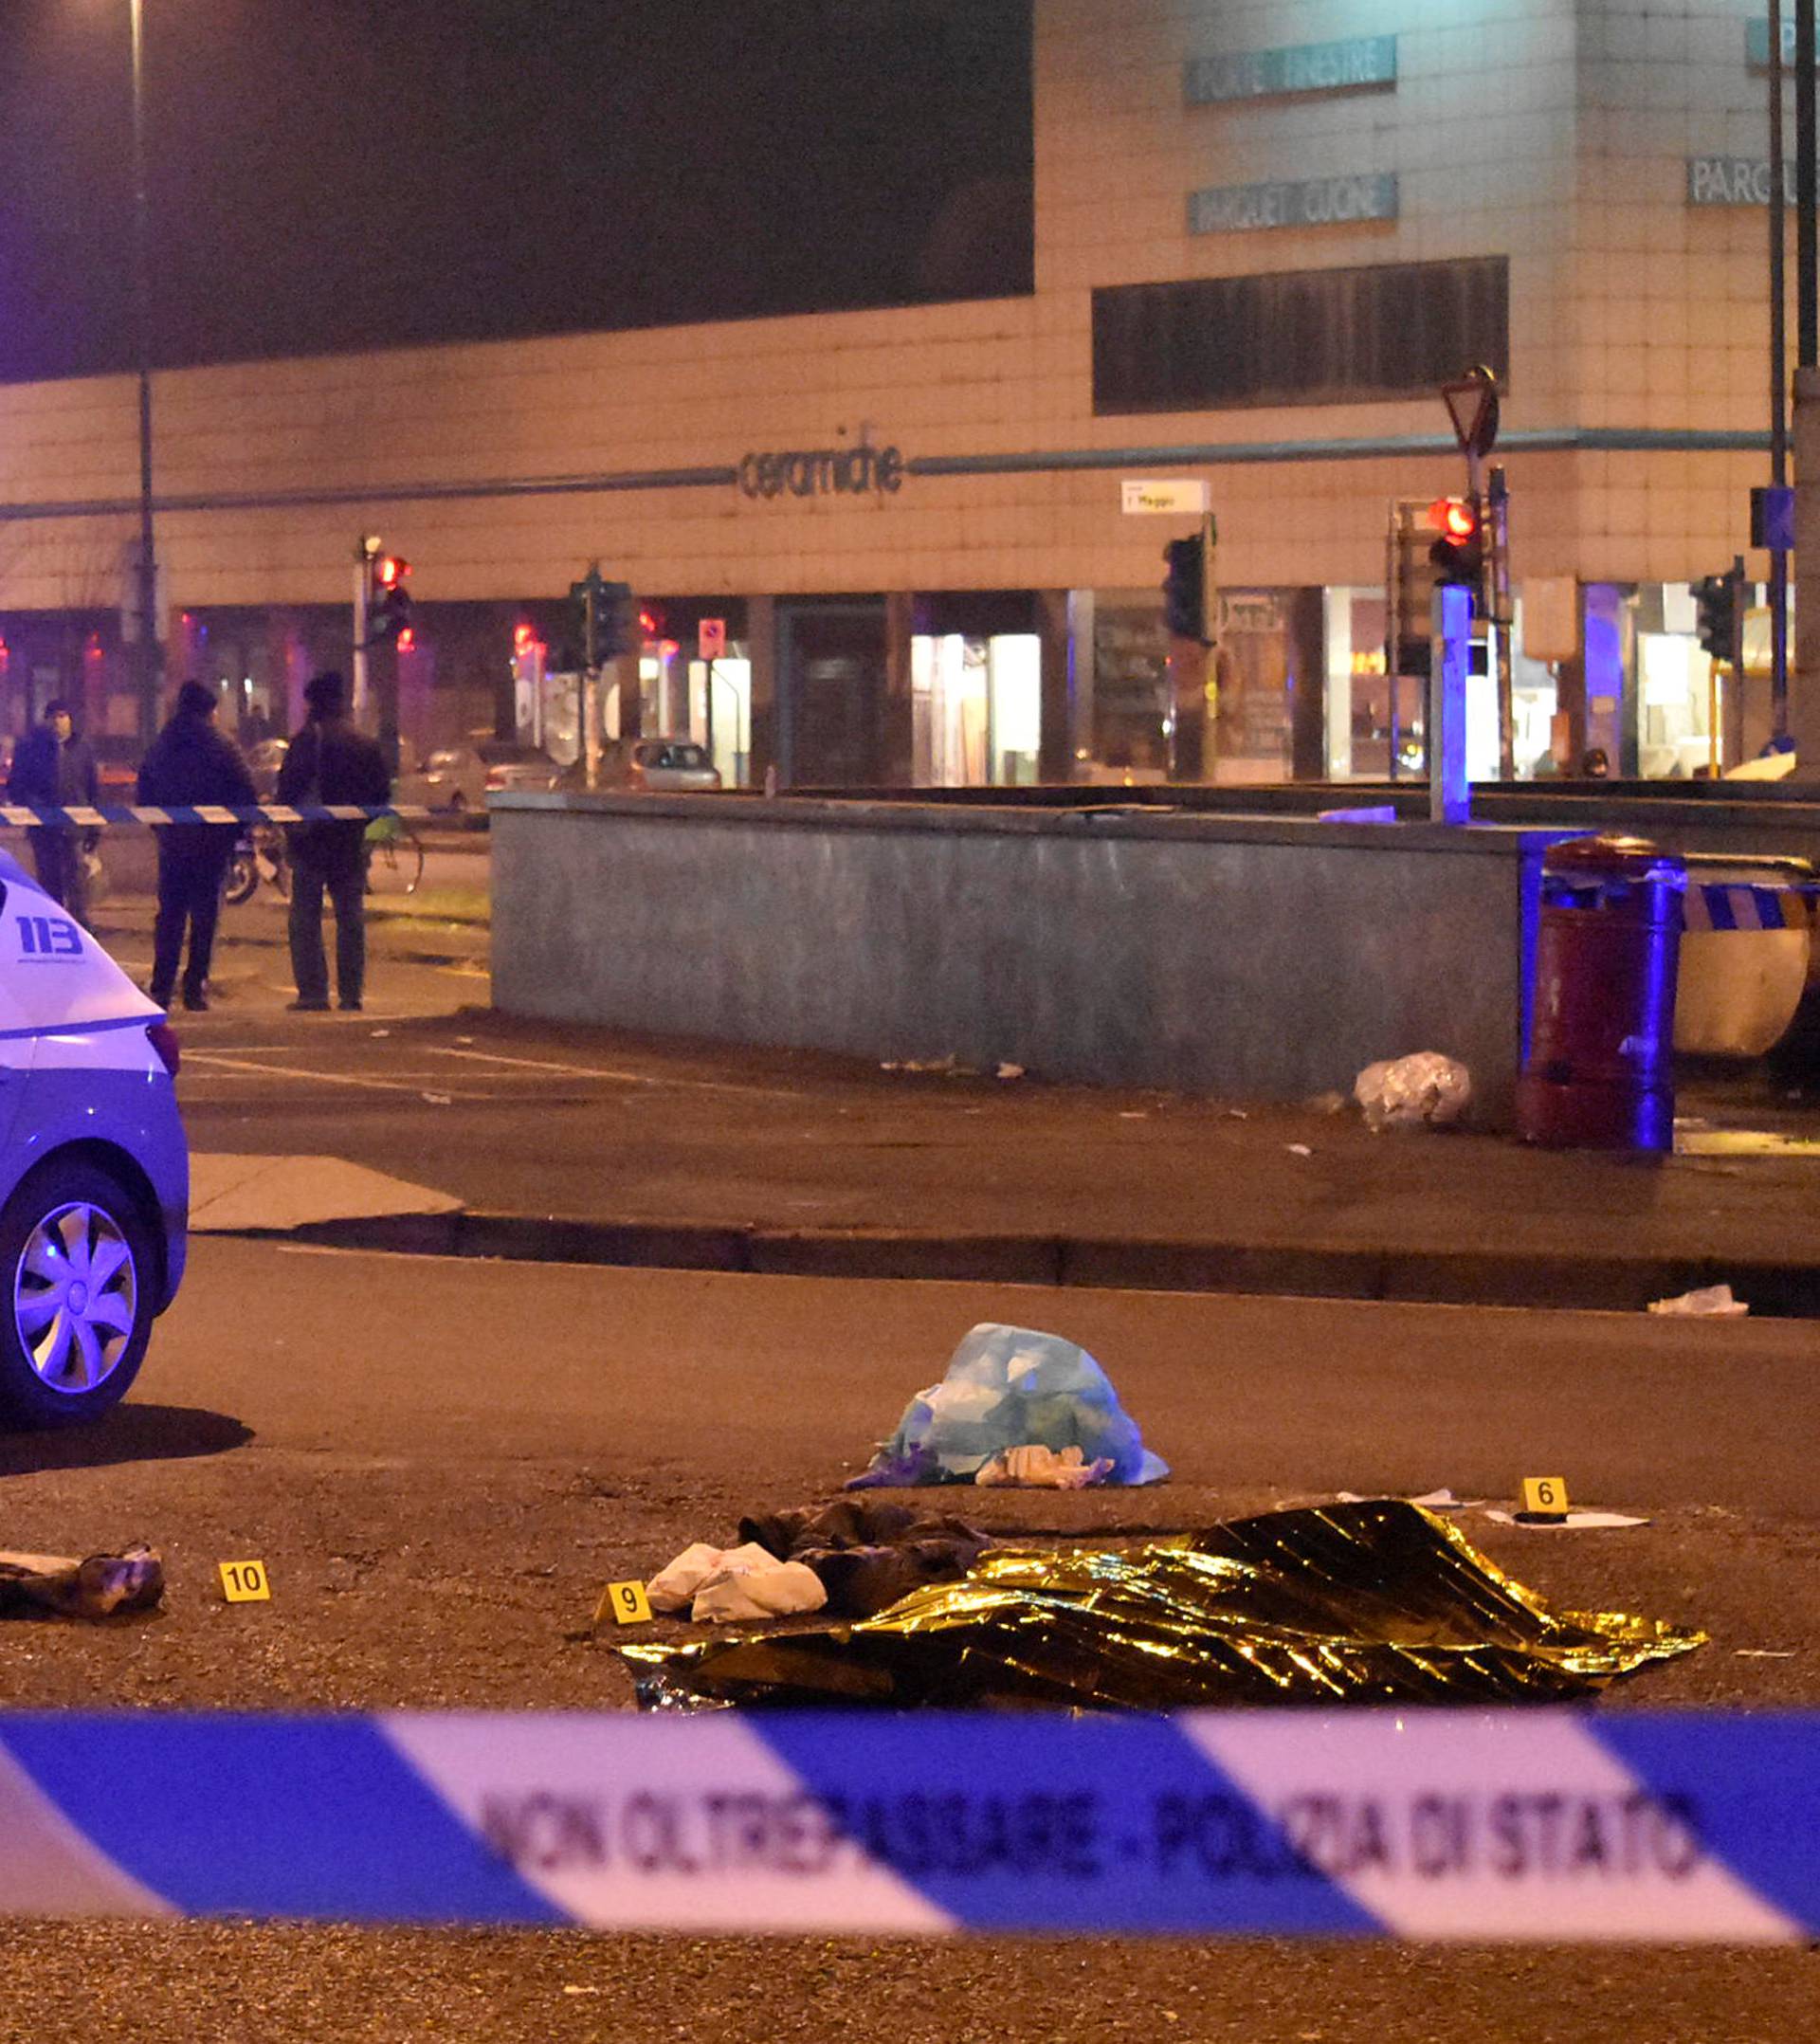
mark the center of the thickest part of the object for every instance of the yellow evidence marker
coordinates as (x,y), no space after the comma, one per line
(245,1582)
(628,1603)
(1545,1497)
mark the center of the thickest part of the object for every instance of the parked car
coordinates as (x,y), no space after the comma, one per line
(658,766)
(459,778)
(94,1167)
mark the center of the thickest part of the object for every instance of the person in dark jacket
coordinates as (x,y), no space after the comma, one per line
(330,762)
(54,769)
(191,763)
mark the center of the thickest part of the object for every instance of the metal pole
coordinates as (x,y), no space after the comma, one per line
(1778,380)
(1450,794)
(1806,251)
(1394,626)
(1803,707)
(147,648)
(362,627)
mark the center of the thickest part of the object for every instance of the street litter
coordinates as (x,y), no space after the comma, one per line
(1710,1302)
(1009,1071)
(866,1552)
(440,1099)
(1764,1653)
(1380,1603)
(1409,1092)
(379,1032)
(1300,1149)
(1011,1387)
(1041,1469)
(720,1584)
(949,1066)
(1568,1521)
(95,1588)
(1434,1501)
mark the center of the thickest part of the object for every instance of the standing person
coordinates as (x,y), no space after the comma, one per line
(55,768)
(331,762)
(190,763)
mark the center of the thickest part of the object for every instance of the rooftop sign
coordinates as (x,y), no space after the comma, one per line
(1316,202)
(1735,181)
(1265,74)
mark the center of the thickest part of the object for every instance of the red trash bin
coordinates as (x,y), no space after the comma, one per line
(1600,1069)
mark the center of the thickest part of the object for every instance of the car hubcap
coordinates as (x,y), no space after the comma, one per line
(75,1296)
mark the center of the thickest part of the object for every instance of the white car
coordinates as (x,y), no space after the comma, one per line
(459,778)
(94,1167)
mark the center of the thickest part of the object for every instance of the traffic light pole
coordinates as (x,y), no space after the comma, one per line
(1449,794)
(1804,718)
(362,580)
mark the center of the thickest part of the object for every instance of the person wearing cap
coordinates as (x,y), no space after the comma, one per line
(190,763)
(55,768)
(329,762)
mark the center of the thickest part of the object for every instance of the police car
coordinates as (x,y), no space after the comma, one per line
(94,1167)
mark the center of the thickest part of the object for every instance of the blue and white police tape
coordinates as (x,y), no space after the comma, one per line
(18,816)
(1543,1824)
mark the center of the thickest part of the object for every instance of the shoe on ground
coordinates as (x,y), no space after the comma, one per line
(307,1008)
(163,1000)
(196,1003)
(352,1008)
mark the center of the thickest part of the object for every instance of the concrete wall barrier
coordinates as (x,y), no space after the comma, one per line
(1263,957)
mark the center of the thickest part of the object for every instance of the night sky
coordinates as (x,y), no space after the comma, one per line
(342,173)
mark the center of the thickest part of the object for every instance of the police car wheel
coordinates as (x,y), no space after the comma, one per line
(77,1257)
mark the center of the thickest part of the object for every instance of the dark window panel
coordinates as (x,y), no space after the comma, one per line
(1298,338)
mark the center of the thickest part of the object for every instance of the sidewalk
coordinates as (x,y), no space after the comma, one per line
(582,1145)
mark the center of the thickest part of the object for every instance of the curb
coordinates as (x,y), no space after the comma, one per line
(1433,1277)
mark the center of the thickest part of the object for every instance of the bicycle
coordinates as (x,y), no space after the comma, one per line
(258,856)
(394,857)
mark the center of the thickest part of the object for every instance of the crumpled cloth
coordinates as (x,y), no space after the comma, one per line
(94,1588)
(868,1553)
(1377,1602)
(779,1590)
(719,1585)
(1011,1387)
(1033,1467)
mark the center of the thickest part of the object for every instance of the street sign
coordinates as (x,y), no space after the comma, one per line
(1169,499)
(711,638)
(1773,517)
(1472,405)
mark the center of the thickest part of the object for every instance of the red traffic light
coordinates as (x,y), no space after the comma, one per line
(388,571)
(1453,518)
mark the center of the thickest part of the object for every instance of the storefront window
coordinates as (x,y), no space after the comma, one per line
(975,709)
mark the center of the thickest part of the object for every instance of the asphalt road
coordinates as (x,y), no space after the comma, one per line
(442,1462)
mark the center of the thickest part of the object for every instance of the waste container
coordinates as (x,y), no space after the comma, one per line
(1600,1069)
(1746,952)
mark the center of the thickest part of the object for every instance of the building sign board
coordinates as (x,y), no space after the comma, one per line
(1175,498)
(1315,202)
(1757,41)
(1735,181)
(1266,74)
(852,471)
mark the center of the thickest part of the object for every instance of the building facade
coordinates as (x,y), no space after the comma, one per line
(1265,230)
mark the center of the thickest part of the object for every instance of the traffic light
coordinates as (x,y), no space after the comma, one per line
(1459,553)
(606,618)
(389,605)
(1185,589)
(1716,610)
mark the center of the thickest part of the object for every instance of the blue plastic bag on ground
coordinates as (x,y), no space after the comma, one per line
(1006,1387)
